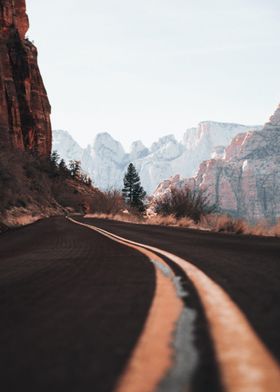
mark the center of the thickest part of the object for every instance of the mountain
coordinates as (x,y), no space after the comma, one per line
(246,181)
(67,146)
(24,105)
(208,140)
(105,160)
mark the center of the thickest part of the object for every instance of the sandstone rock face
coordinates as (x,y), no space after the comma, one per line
(106,161)
(246,182)
(24,106)
(274,120)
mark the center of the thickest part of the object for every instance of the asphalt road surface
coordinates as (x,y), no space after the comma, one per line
(71,307)
(73,303)
(247,267)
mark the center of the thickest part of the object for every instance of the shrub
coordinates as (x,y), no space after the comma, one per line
(184,203)
(108,202)
(276,229)
(228,224)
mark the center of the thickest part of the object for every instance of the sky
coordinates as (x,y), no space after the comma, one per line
(145,69)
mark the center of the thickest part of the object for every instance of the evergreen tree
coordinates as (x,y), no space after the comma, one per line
(89,182)
(75,169)
(52,163)
(133,192)
(63,169)
(54,159)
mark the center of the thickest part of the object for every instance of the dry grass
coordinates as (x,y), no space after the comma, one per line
(153,220)
(170,220)
(228,224)
(214,223)
(264,229)
(19,216)
(276,229)
(121,217)
(224,223)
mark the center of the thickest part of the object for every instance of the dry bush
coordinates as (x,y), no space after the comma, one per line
(212,222)
(109,202)
(225,223)
(160,220)
(186,222)
(184,203)
(121,217)
(169,220)
(263,228)
(276,229)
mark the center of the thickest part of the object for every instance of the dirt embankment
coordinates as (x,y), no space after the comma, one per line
(17,217)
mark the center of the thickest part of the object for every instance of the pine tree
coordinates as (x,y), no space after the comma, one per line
(89,182)
(63,169)
(54,159)
(133,192)
(53,162)
(75,169)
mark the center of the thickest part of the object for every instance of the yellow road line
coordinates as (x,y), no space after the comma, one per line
(153,355)
(245,363)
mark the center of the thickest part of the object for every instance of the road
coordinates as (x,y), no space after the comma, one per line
(74,303)
(71,307)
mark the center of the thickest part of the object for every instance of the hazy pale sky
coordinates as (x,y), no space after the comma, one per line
(144,69)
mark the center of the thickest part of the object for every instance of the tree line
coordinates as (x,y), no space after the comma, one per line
(178,202)
(73,170)
(133,193)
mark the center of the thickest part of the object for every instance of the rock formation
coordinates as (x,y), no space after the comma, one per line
(106,161)
(24,106)
(246,182)
(274,120)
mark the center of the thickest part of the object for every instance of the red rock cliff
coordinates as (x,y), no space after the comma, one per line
(246,183)
(24,105)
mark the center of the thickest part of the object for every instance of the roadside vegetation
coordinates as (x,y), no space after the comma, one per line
(179,208)
(131,201)
(215,223)
(108,203)
(184,203)
(133,192)
(32,187)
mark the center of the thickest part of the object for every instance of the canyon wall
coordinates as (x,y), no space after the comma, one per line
(246,181)
(24,105)
(106,161)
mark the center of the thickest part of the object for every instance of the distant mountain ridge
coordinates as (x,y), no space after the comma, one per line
(245,182)
(105,160)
